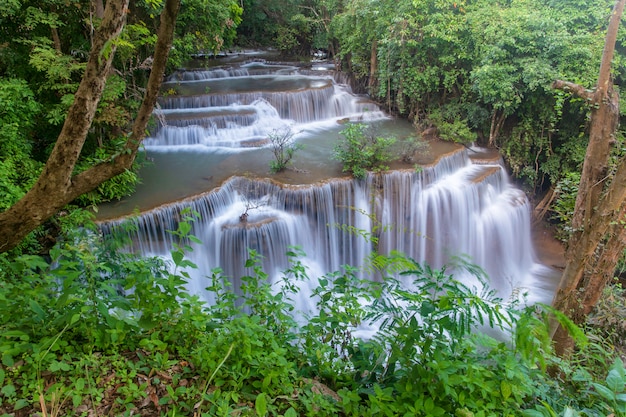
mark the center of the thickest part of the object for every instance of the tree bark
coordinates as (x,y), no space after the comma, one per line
(373,65)
(604,265)
(57,186)
(497,120)
(587,272)
(94,176)
(98,8)
(600,203)
(56,40)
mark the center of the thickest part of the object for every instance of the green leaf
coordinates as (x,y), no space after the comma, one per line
(8,390)
(614,381)
(7,360)
(195,239)
(291,412)
(532,413)
(37,309)
(604,392)
(16,333)
(79,384)
(184,228)
(177,257)
(505,389)
(21,403)
(260,404)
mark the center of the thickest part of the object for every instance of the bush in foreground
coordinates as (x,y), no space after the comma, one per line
(97,331)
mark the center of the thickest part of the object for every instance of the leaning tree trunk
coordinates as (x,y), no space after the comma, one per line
(57,185)
(599,203)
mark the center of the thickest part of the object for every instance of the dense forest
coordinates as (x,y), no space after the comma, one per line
(88,329)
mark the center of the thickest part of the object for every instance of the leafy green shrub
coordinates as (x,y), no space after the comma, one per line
(432,362)
(18,169)
(451,127)
(360,151)
(115,188)
(96,328)
(286,39)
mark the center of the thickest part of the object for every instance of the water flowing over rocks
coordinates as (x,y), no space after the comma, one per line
(453,206)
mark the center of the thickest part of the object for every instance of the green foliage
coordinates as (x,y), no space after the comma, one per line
(113,189)
(97,328)
(204,26)
(44,49)
(613,389)
(283,148)
(328,336)
(60,70)
(482,68)
(426,360)
(295,37)
(360,151)
(17,169)
(563,208)
(451,127)
(286,40)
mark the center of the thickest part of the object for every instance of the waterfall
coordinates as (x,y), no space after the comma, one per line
(240,107)
(454,207)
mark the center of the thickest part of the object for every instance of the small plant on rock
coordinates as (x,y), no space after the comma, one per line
(410,146)
(283,148)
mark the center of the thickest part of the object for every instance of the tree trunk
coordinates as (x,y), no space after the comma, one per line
(599,204)
(98,8)
(57,186)
(373,65)
(586,273)
(56,40)
(497,120)
(604,265)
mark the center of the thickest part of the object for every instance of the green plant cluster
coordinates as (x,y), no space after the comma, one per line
(95,329)
(361,151)
(451,126)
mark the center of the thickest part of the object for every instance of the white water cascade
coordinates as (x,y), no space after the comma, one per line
(452,207)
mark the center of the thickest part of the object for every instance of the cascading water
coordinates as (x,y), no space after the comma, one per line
(221,108)
(452,207)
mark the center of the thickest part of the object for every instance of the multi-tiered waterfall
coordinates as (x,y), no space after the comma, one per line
(222,117)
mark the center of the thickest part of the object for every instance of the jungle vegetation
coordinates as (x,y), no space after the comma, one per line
(88,329)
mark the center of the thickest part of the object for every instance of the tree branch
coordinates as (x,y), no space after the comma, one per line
(56,185)
(94,176)
(604,78)
(49,193)
(574,88)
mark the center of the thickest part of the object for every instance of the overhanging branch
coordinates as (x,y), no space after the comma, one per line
(577,90)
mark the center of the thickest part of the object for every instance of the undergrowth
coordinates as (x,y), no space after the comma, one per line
(92,330)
